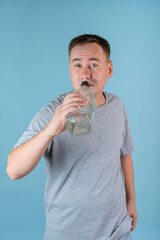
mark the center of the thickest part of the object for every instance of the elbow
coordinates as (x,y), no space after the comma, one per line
(11,174)
(11,170)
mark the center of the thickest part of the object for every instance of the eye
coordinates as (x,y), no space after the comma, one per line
(77,65)
(93,65)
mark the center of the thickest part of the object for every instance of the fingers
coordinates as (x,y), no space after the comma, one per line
(71,107)
(73,94)
(131,208)
(73,97)
(134,221)
(73,102)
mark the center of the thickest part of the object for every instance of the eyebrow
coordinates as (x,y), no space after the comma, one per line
(90,59)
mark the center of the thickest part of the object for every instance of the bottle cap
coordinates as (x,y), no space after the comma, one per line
(85,83)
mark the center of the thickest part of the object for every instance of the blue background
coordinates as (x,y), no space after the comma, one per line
(34,37)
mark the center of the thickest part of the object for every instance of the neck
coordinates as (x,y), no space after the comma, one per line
(100,100)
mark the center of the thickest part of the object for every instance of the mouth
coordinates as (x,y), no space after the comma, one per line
(90,83)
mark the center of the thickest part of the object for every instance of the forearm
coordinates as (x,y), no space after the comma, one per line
(127,167)
(23,159)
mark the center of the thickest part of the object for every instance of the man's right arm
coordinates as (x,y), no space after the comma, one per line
(24,158)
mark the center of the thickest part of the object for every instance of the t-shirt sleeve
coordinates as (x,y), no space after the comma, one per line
(39,121)
(127,147)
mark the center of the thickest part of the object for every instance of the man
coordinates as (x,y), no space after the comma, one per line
(89,192)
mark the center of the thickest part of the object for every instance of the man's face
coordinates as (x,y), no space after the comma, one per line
(90,62)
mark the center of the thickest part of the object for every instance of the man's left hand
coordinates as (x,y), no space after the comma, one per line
(131,208)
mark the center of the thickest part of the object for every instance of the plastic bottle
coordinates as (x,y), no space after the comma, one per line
(80,122)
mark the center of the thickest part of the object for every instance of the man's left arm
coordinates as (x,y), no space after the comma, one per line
(127,167)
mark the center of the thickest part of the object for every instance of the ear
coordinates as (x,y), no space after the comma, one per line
(110,69)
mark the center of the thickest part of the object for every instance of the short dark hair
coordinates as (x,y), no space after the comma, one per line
(90,38)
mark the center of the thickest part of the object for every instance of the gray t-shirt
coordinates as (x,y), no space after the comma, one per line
(85,193)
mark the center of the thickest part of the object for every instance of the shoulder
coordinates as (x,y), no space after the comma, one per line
(114,100)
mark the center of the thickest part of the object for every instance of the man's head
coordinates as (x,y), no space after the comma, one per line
(90,38)
(89,59)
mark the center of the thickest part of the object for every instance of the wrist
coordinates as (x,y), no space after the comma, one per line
(49,132)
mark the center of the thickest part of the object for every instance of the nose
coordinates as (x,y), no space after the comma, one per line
(86,73)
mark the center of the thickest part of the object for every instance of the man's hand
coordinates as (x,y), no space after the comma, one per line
(131,208)
(127,167)
(72,102)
